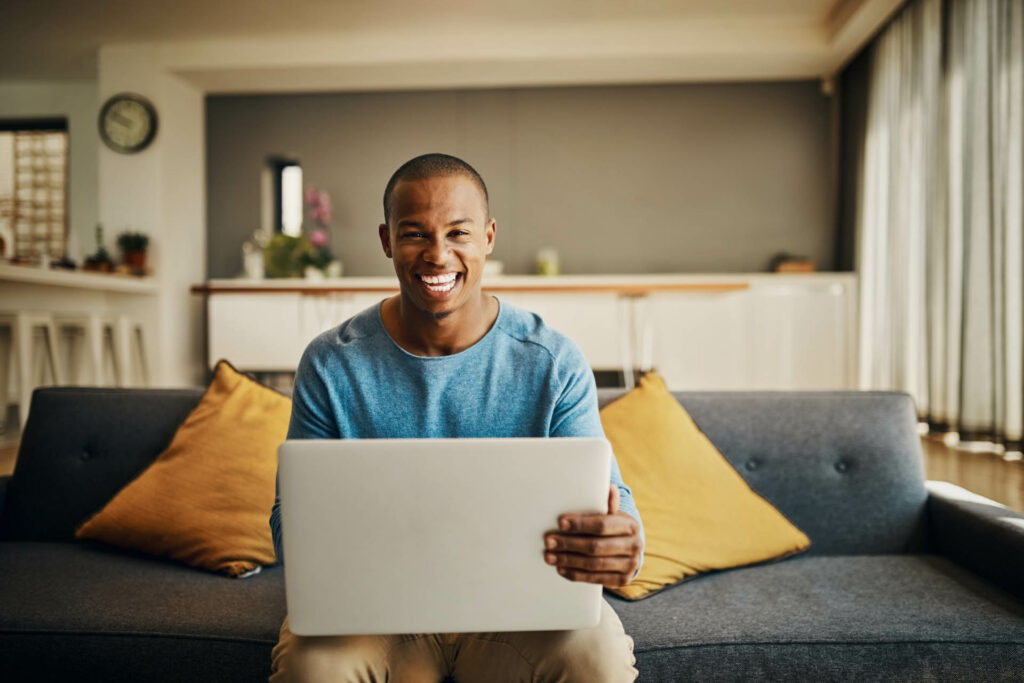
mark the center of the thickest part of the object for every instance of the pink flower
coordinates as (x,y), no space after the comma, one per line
(319,204)
(325,208)
(318,238)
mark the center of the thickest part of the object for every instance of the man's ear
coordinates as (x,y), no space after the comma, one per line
(489,231)
(385,238)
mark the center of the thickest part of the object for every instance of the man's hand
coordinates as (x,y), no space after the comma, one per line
(595,548)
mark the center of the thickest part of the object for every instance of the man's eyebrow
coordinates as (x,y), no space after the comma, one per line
(405,223)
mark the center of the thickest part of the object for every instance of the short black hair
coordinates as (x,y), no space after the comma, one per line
(431,166)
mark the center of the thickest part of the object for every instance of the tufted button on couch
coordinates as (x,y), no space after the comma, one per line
(905,580)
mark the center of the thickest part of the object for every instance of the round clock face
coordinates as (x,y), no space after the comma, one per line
(127,123)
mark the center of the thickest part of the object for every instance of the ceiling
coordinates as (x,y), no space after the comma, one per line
(689,39)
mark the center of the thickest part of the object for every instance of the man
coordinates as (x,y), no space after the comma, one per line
(443,359)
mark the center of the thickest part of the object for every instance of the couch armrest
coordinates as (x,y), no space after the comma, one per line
(978,533)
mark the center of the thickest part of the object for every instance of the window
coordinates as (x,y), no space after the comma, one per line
(286,179)
(33,188)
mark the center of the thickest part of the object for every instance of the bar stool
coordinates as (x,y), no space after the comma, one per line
(90,342)
(112,343)
(29,343)
(130,338)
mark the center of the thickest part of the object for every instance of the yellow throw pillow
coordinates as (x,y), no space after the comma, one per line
(699,514)
(206,500)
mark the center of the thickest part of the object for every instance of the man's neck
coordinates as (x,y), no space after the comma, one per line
(424,334)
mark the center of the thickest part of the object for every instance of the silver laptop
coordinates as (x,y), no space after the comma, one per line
(435,535)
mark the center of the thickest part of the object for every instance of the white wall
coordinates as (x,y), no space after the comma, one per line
(161,191)
(79,103)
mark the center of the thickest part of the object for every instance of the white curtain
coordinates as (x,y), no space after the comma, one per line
(940,227)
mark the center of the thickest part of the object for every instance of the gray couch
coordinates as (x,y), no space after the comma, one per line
(905,581)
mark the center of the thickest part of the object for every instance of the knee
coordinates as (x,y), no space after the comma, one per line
(602,653)
(351,659)
(599,655)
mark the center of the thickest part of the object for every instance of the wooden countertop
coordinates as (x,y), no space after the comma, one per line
(629,285)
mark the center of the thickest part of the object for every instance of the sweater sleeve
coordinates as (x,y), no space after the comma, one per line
(576,414)
(311,419)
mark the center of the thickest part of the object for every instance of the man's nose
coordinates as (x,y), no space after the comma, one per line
(436,251)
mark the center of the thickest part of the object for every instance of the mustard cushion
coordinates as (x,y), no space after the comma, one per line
(699,514)
(206,499)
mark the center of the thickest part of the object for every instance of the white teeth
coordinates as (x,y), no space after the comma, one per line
(439,279)
(442,288)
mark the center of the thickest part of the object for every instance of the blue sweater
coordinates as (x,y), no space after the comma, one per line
(521,379)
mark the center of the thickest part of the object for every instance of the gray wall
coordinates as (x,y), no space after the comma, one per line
(631,179)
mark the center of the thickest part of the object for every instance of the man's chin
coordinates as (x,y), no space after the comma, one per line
(434,309)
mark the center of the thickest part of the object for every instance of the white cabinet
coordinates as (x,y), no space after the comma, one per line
(695,341)
(701,332)
(781,336)
(268,331)
(799,337)
(598,322)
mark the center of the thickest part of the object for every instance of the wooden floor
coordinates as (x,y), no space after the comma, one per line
(7,455)
(984,472)
(988,474)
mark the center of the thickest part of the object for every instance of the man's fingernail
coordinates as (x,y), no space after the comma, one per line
(550,543)
(563,571)
(564,524)
(549,558)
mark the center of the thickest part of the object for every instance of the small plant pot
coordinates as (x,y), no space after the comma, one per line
(136,260)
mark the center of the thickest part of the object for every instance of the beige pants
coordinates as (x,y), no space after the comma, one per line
(602,653)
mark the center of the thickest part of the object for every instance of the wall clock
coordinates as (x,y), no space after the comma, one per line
(127,123)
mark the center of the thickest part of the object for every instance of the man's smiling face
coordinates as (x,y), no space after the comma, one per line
(439,236)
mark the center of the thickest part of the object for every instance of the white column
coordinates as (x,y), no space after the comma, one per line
(161,192)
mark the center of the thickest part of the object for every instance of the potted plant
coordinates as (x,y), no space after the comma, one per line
(286,256)
(133,245)
(99,261)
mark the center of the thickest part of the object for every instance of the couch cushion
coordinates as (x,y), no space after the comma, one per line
(113,615)
(844,466)
(206,500)
(79,448)
(698,513)
(836,617)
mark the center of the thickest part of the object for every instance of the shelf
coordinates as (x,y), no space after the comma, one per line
(78,279)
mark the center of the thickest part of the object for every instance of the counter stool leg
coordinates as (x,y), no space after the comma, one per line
(56,366)
(26,380)
(94,344)
(143,357)
(123,351)
(80,357)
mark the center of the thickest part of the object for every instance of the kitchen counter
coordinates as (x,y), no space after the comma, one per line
(622,284)
(701,331)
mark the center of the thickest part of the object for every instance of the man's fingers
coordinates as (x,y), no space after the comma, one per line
(615,563)
(607,579)
(599,525)
(596,545)
(613,499)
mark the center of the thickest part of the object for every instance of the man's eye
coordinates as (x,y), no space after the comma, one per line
(412,235)
(458,233)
